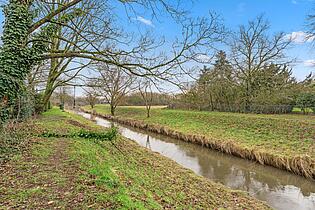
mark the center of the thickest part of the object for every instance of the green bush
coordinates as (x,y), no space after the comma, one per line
(98,136)
(306,101)
(39,106)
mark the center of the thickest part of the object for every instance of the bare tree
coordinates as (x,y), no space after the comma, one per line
(114,83)
(252,49)
(310,27)
(145,89)
(147,57)
(59,71)
(91,94)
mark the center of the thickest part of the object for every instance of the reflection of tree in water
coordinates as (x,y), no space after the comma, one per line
(211,165)
(243,174)
(93,117)
(147,144)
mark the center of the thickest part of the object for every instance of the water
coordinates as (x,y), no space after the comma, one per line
(280,189)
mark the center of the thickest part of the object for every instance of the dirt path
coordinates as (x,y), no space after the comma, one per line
(43,177)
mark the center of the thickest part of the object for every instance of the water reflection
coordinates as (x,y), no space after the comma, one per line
(280,189)
(148,145)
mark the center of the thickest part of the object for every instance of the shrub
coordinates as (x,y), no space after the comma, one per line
(98,136)
(306,101)
(39,106)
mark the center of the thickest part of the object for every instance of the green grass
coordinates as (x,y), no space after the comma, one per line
(286,135)
(79,173)
(299,110)
(63,122)
(100,165)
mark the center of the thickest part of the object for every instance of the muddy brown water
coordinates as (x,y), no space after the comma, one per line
(280,189)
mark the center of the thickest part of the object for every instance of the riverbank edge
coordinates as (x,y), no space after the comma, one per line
(300,165)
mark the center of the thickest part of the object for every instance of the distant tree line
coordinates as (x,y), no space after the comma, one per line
(273,89)
(64,95)
(158,99)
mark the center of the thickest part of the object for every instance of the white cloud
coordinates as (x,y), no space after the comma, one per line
(309,63)
(300,1)
(204,58)
(144,21)
(300,37)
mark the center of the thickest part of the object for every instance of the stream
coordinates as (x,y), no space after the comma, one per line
(280,189)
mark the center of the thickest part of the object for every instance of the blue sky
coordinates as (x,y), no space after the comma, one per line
(288,16)
(284,15)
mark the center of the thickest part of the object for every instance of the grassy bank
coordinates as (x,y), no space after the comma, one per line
(81,173)
(284,141)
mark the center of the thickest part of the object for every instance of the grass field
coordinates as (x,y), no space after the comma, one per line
(76,173)
(286,135)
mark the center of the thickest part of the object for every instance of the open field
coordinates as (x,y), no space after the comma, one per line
(284,136)
(81,173)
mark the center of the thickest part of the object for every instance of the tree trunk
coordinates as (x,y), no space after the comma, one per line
(46,97)
(112,110)
(148,112)
(247,101)
(211,102)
